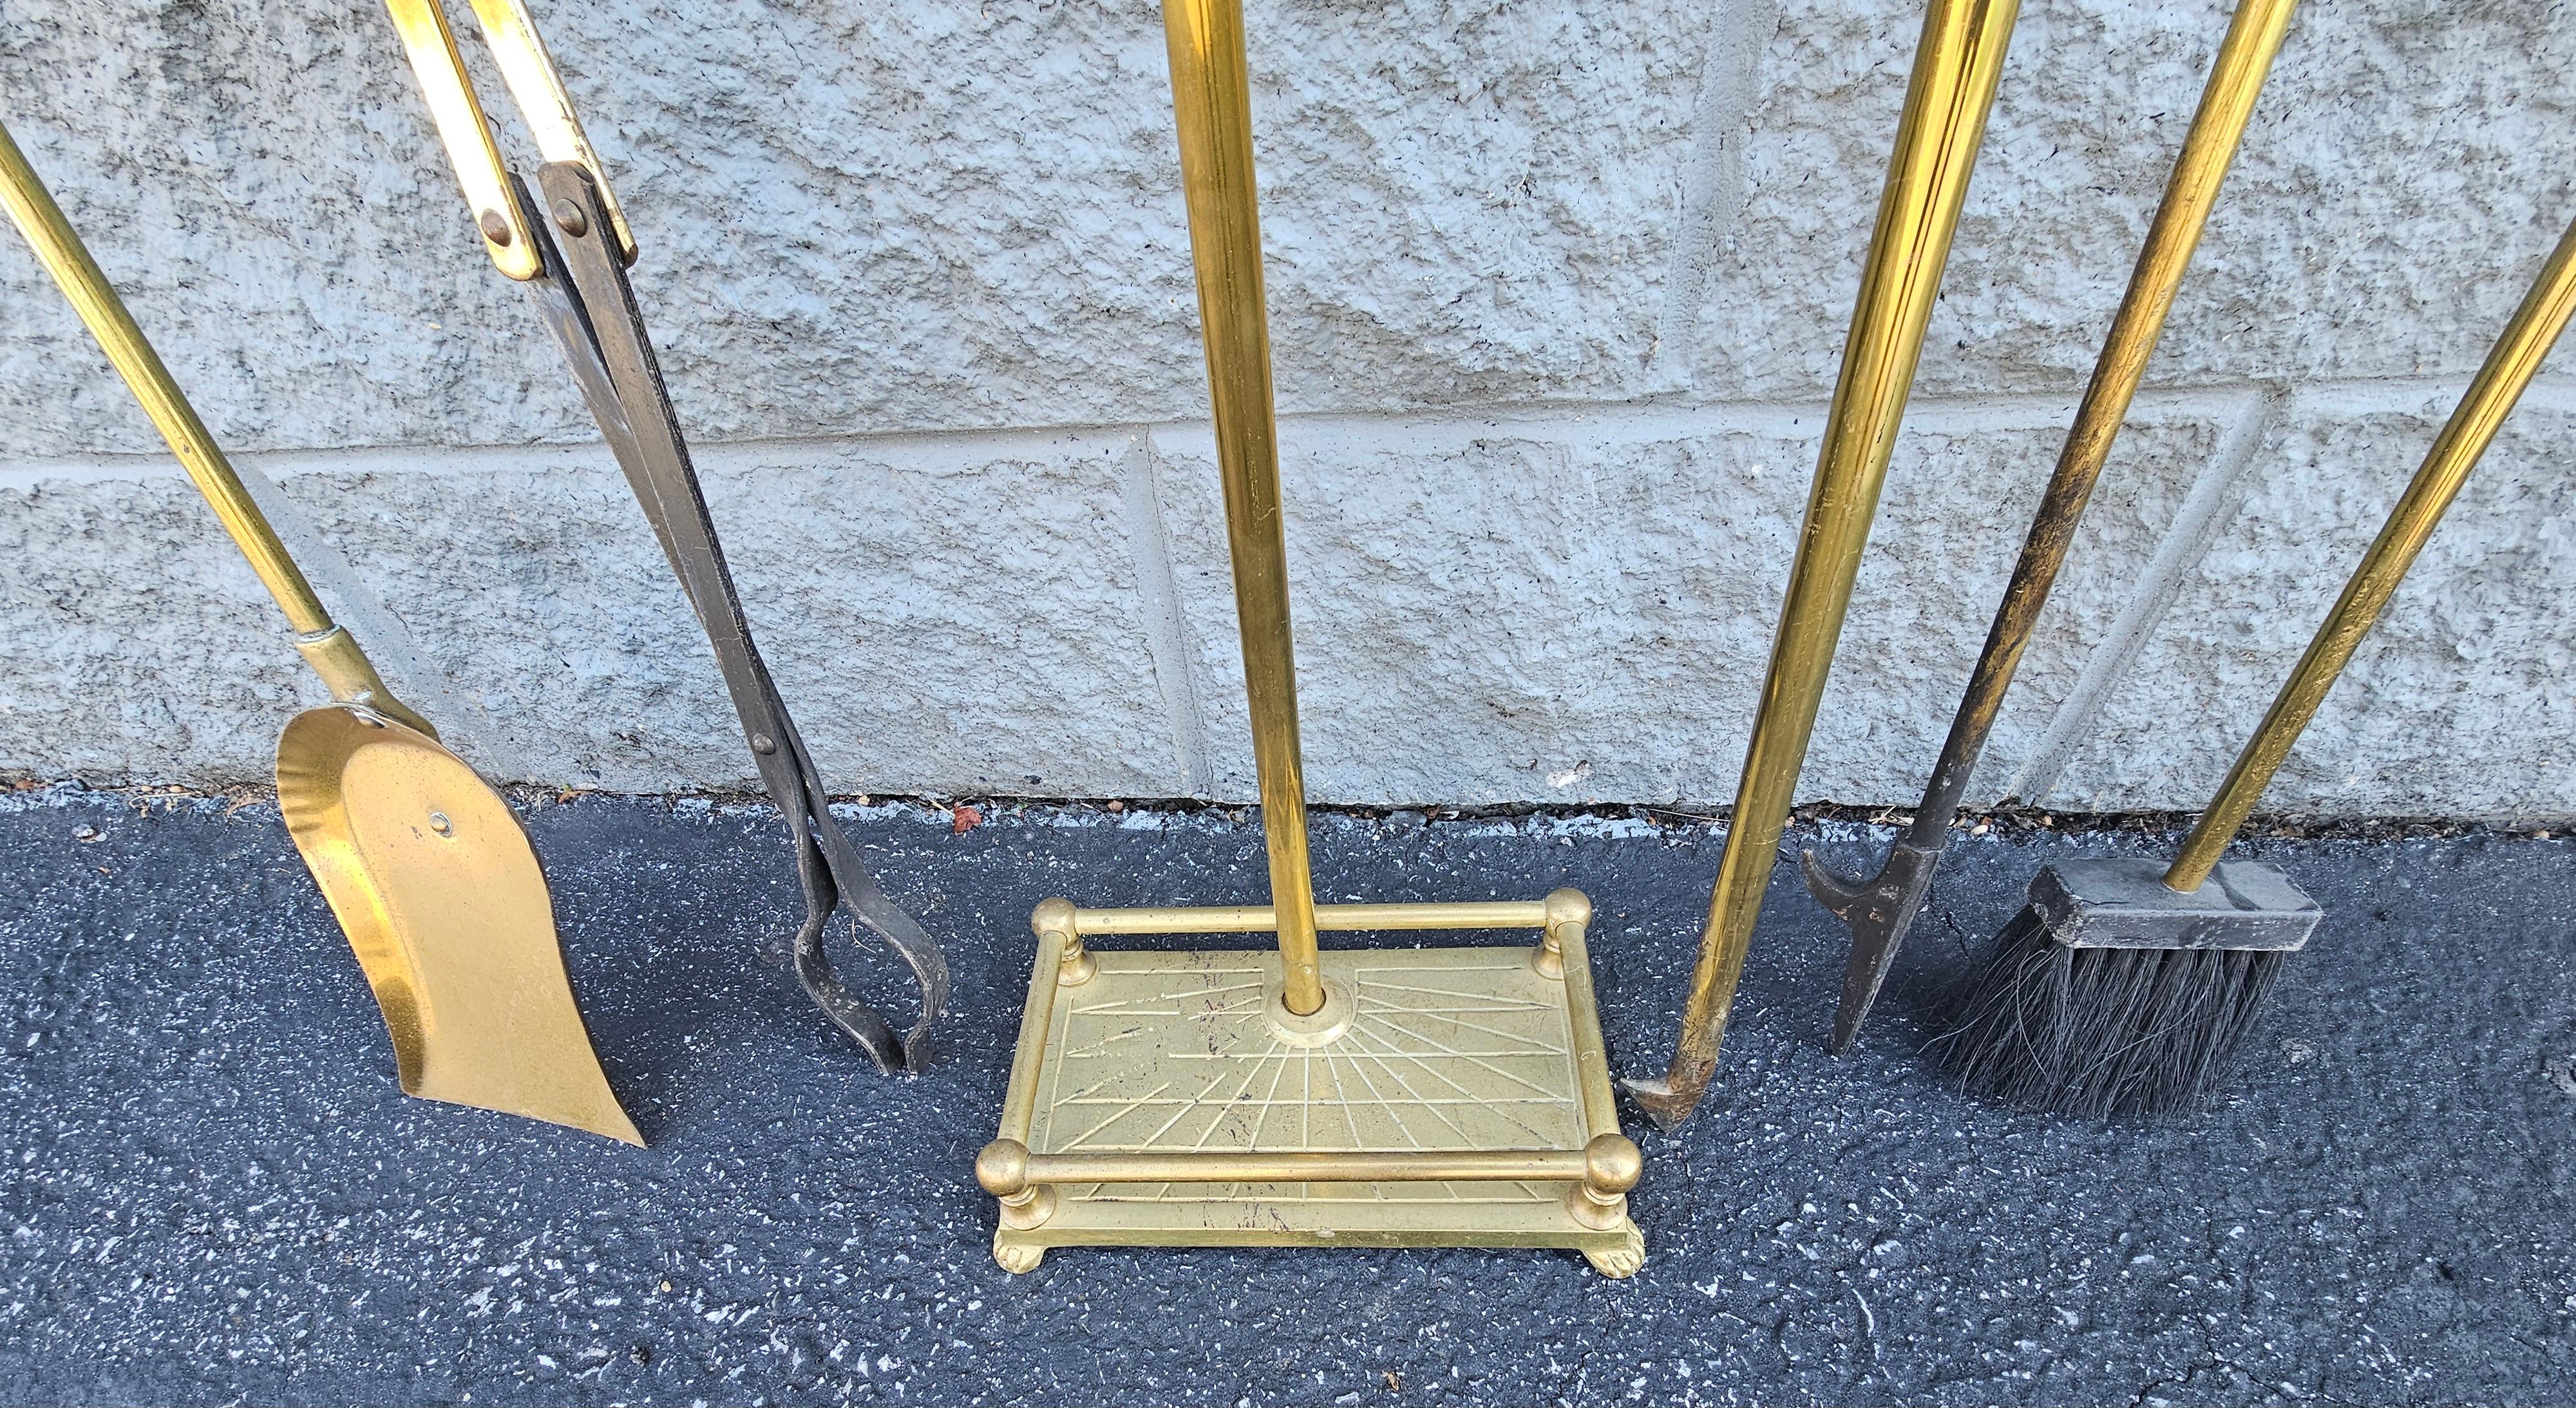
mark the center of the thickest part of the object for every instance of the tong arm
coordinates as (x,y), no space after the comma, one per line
(536,86)
(500,216)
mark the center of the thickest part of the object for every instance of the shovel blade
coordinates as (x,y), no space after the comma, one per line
(434,882)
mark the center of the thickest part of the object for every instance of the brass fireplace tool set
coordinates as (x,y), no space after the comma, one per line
(1292,1095)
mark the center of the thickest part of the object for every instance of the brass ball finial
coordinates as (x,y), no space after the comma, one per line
(1003,1168)
(1052,916)
(1612,1163)
(1568,906)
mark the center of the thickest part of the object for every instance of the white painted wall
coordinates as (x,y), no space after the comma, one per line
(1558,291)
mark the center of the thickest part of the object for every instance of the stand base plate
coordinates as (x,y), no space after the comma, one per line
(1439,1050)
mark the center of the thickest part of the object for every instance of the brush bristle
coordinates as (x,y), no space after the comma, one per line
(2103,1031)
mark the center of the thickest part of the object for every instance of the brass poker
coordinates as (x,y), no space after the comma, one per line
(1956,66)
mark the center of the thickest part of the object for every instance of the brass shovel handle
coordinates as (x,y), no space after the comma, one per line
(332,652)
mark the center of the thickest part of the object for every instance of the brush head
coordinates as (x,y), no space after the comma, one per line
(2103,997)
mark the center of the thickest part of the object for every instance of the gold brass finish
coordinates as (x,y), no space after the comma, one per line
(529,72)
(330,649)
(426,867)
(350,675)
(2226,105)
(1428,1097)
(59,248)
(1167,1100)
(1956,66)
(499,215)
(2508,369)
(1257,918)
(433,880)
(1604,1169)
(1212,104)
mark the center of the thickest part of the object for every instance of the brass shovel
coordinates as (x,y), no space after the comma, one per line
(427,868)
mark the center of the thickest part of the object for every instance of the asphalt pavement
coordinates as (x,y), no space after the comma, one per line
(215,1192)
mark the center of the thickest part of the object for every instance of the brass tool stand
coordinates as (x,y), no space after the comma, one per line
(1433,1097)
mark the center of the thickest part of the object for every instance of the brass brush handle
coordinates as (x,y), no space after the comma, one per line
(331,651)
(2515,359)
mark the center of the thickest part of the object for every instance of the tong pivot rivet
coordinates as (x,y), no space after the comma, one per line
(763,744)
(495,227)
(574,220)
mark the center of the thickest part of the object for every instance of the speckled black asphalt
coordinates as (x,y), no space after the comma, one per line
(215,1194)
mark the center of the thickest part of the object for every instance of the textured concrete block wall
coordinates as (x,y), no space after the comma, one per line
(1558,292)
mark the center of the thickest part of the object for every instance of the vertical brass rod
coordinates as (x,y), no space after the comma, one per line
(2226,105)
(1212,106)
(1956,66)
(1591,1059)
(60,249)
(1028,1057)
(2509,368)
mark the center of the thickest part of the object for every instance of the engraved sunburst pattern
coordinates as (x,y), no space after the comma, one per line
(1446,1049)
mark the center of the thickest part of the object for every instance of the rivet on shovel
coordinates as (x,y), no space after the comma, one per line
(439,823)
